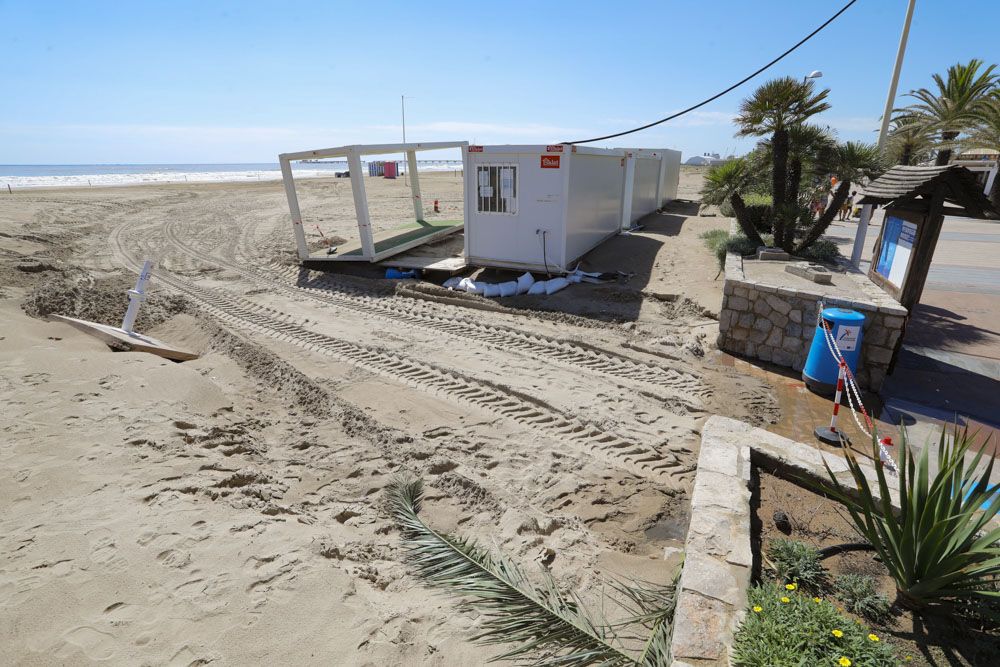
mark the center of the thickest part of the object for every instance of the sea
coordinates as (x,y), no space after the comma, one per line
(23,176)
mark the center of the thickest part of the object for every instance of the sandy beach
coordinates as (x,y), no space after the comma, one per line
(229,510)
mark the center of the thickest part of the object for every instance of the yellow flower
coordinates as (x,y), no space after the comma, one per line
(844,661)
(838,633)
(785,600)
(816,600)
(908,658)
(757,608)
(873,637)
(791,587)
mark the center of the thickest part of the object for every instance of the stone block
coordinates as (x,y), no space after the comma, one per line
(712,489)
(761,308)
(705,575)
(740,290)
(787,293)
(765,353)
(778,303)
(778,319)
(781,358)
(775,338)
(757,337)
(764,288)
(791,344)
(746,320)
(795,316)
(736,303)
(893,322)
(701,625)
(878,355)
(727,287)
(794,330)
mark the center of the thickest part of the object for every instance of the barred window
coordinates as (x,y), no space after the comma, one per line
(497,184)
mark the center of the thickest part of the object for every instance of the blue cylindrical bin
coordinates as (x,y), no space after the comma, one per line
(820,371)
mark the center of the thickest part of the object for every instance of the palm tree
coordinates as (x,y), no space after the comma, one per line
(986,134)
(954,107)
(808,145)
(849,162)
(726,183)
(773,109)
(908,142)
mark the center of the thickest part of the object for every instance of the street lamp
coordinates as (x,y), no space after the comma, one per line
(815,74)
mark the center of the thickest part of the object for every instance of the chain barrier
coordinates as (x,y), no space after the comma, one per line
(854,401)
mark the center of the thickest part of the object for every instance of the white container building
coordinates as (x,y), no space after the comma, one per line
(541,208)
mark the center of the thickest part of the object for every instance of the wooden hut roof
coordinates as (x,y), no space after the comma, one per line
(908,183)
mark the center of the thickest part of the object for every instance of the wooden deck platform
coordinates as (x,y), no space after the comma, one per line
(114,336)
(392,241)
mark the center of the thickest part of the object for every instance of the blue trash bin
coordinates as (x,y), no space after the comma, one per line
(820,371)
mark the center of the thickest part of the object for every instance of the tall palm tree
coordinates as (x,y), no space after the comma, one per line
(849,162)
(772,109)
(953,108)
(986,134)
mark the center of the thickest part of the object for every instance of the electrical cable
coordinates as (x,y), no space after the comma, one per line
(730,88)
(545,260)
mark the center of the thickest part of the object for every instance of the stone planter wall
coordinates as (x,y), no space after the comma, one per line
(777,324)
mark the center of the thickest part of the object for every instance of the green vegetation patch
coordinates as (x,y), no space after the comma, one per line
(786,627)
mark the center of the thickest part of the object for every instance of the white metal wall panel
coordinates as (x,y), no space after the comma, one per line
(671,176)
(647,175)
(513,239)
(593,208)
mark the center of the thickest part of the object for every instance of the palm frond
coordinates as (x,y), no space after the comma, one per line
(547,626)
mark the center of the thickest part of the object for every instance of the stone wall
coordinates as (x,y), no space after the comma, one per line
(777,324)
(712,591)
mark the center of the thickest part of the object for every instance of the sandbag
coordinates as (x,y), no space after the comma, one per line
(492,290)
(453,282)
(524,283)
(556,284)
(476,287)
(508,288)
(537,288)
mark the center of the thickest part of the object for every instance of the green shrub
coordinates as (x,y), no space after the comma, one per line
(859,596)
(759,212)
(726,209)
(796,562)
(823,251)
(788,628)
(939,545)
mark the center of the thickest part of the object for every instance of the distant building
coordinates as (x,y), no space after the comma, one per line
(983,162)
(706,160)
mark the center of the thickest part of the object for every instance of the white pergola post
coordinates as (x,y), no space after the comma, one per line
(411,166)
(293,207)
(361,204)
(627,191)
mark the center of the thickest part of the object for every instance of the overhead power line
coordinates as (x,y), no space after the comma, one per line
(730,88)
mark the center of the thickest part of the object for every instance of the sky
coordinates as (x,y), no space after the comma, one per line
(213,81)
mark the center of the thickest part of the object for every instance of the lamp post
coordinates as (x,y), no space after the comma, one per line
(402,108)
(890,100)
(815,74)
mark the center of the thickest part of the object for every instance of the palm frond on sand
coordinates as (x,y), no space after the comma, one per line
(545,625)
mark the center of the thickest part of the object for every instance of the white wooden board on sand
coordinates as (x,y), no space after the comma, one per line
(115,336)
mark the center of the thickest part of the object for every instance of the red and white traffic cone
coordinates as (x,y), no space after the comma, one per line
(830,434)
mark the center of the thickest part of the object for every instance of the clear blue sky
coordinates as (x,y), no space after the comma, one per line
(202,81)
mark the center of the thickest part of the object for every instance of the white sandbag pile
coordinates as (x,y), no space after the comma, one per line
(525,284)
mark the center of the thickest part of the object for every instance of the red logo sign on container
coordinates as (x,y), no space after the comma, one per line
(550,162)
(554,149)
(475,149)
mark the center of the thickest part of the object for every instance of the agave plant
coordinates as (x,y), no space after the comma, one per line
(547,626)
(939,544)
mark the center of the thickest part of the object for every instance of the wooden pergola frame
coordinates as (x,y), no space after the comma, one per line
(353,154)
